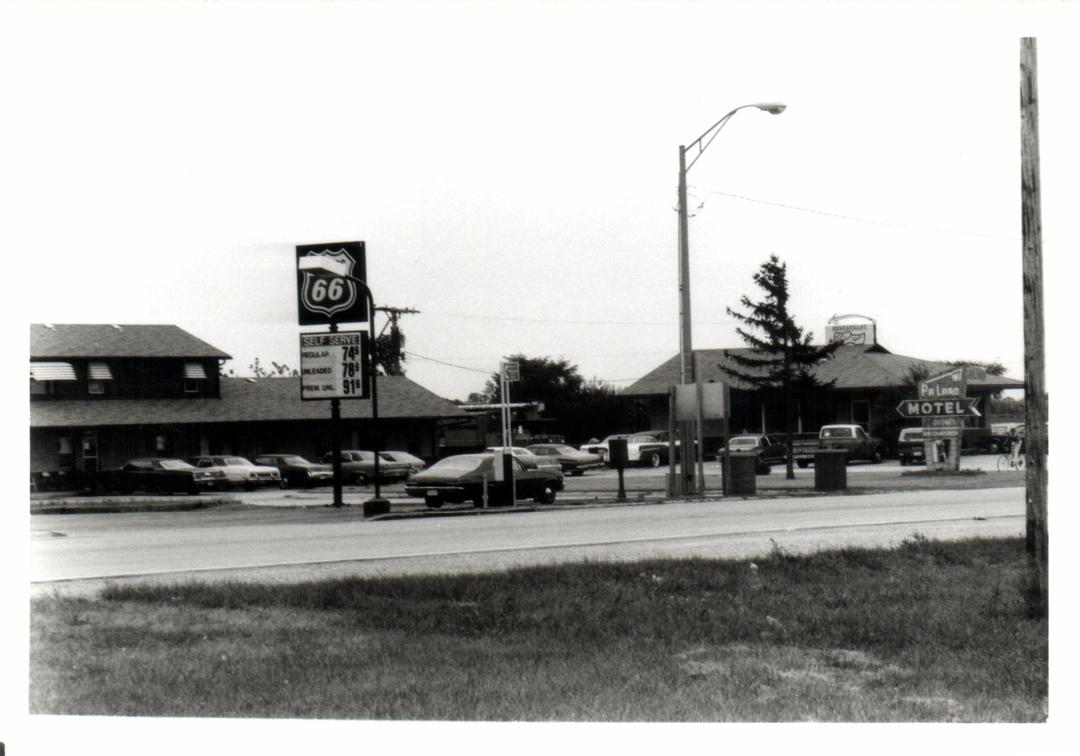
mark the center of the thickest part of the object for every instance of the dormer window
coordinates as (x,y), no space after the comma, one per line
(45,375)
(194,374)
(97,373)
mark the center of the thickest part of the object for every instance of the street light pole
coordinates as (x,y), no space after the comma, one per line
(686,349)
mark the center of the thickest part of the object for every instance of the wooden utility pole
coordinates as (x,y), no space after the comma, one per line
(1035,432)
(397,338)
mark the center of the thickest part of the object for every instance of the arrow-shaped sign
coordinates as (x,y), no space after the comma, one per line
(960,407)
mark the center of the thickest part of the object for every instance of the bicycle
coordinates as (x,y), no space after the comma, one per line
(1009,462)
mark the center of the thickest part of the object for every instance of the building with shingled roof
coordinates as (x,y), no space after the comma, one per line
(866,382)
(103,394)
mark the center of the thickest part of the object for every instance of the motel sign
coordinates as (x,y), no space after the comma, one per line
(960,407)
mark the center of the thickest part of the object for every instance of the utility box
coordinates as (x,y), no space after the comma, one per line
(739,474)
(830,470)
(617,453)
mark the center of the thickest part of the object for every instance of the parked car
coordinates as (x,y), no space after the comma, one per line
(160,475)
(462,477)
(854,440)
(358,466)
(641,449)
(240,472)
(527,457)
(297,471)
(910,446)
(571,460)
(769,450)
(415,463)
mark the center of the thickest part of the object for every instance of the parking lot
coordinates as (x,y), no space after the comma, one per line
(650,484)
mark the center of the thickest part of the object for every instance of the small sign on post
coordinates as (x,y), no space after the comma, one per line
(512,371)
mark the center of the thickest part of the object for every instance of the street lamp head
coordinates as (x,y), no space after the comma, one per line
(772,107)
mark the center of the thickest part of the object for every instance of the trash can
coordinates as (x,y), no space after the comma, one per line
(830,470)
(739,474)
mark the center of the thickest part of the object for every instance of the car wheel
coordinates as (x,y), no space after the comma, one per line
(761,467)
(877,456)
(803,463)
(546,495)
(904,462)
(478,501)
(575,473)
(652,459)
(433,502)
(360,479)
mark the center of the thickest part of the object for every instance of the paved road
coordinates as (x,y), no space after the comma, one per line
(289,544)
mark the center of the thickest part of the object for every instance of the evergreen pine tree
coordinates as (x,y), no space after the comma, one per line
(781,355)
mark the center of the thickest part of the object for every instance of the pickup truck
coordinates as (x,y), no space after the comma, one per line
(909,446)
(850,437)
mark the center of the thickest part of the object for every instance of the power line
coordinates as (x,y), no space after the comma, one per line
(492,372)
(863,220)
(450,364)
(553,320)
(563,321)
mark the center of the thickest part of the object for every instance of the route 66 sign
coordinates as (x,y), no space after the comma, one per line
(326,291)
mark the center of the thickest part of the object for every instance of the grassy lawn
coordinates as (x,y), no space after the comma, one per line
(929,631)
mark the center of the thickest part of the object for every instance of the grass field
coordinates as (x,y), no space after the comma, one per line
(929,631)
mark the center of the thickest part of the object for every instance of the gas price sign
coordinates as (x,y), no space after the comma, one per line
(333,365)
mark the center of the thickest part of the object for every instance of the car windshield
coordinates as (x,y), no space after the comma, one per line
(566,450)
(237,462)
(643,439)
(911,435)
(457,464)
(386,457)
(174,464)
(836,433)
(294,460)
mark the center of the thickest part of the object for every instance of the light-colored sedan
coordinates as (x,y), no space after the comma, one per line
(240,472)
(571,460)
(358,466)
(415,463)
(527,458)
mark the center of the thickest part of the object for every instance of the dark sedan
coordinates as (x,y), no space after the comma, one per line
(297,471)
(571,460)
(161,475)
(769,450)
(464,477)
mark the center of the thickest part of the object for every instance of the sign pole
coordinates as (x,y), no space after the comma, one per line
(335,440)
(373,367)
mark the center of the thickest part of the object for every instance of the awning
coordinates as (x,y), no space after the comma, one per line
(194,370)
(52,371)
(99,371)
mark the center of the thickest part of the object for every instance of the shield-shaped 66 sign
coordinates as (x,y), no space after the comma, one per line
(326,291)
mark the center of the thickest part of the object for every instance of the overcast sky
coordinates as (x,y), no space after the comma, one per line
(513,171)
